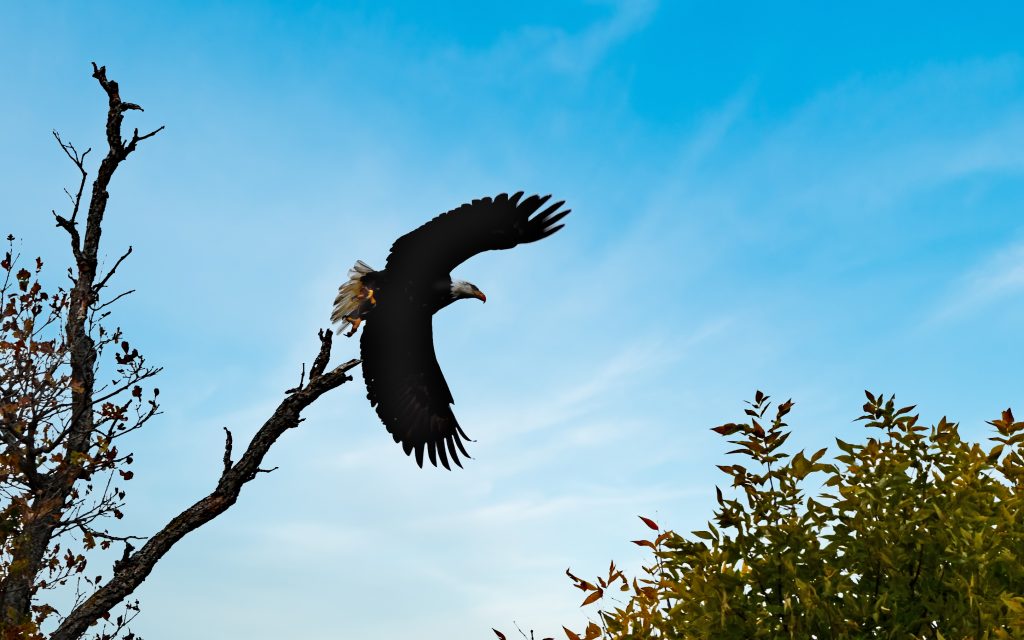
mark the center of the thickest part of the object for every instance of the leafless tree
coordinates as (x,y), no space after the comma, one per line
(61,467)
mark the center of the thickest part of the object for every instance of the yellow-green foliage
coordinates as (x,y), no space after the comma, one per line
(919,534)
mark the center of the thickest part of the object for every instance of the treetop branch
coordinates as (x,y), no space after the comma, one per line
(136,567)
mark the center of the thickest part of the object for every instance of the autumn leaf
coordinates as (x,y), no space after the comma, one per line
(650,523)
(727,429)
(785,407)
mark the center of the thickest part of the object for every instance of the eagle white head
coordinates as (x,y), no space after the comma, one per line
(462,289)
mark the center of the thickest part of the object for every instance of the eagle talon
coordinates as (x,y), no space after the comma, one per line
(355,322)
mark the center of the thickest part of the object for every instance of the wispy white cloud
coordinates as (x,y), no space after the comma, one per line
(872,141)
(508,419)
(996,278)
(292,539)
(564,51)
(521,511)
(579,52)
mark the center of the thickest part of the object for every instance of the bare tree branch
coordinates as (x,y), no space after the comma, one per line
(138,566)
(49,500)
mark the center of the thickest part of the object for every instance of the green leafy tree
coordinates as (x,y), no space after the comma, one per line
(917,534)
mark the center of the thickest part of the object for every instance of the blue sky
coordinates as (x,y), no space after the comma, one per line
(806,200)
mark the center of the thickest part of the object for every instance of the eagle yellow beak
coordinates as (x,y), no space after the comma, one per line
(481,296)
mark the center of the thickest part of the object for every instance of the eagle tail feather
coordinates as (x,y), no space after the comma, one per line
(352,296)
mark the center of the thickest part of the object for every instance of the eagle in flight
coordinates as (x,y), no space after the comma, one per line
(403,379)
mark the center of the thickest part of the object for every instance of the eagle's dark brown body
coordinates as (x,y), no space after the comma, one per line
(403,379)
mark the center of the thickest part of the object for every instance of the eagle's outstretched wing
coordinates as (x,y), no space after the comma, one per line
(437,247)
(405,384)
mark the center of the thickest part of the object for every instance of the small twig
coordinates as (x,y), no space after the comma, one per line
(136,138)
(302,381)
(71,151)
(227,450)
(109,536)
(103,282)
(136,377)
(113,300)
(79,161)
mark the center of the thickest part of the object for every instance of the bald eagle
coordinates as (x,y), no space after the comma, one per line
(403,379)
